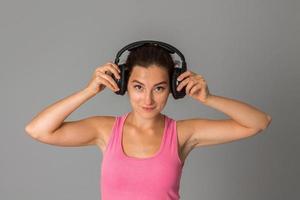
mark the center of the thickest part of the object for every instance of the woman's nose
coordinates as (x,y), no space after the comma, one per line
(149,98)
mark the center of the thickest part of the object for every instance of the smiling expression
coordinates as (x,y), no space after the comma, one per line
(148,89)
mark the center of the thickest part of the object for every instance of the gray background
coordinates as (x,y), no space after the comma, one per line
(246,50)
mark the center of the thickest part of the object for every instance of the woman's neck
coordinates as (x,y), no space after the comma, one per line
(145,123)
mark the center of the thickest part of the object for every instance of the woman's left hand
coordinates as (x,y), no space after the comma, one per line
(196,86)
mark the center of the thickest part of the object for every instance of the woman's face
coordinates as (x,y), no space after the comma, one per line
(148,89)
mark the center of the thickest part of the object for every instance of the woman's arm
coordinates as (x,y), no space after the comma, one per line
(49,126)
(52,117)
(243,113)
(246,120)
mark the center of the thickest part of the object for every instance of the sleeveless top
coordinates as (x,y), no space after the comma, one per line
(152,178)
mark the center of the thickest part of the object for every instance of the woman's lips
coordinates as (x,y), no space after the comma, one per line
(148,108)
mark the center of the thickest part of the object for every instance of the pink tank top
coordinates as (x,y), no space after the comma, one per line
(131,178)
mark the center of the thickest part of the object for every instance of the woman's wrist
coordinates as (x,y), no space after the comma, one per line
(208,99)
(89,92)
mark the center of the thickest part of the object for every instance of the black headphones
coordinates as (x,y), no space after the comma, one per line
(124,74)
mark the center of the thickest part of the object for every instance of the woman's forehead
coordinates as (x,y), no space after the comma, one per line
(153,72)
(149,76)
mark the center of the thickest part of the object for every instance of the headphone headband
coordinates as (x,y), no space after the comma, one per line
(171,49)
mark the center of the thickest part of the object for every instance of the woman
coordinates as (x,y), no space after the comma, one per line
(144,150)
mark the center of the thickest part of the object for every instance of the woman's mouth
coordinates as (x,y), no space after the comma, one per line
(148,108)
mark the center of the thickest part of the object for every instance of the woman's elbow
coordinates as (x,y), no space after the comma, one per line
(31,133)
(268,122)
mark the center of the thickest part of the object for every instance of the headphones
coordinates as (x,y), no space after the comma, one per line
(124,74)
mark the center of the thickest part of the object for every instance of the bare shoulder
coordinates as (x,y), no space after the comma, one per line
(104,126)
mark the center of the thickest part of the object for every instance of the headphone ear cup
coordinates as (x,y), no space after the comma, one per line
(177,94)
(122,82)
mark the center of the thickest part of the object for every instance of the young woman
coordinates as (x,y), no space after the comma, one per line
(144,150)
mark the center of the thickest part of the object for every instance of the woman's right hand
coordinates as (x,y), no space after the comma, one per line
(102,78)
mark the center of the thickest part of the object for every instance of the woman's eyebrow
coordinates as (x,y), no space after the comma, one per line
(162,82)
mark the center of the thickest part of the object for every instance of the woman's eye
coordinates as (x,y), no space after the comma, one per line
(162,88)
(139,87)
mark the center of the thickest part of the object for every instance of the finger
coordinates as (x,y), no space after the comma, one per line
(104,67)
(114,70)
(102,80)
(115,66)
(182,84)
(110,80)
(195,88)
(190,85)
(183,75)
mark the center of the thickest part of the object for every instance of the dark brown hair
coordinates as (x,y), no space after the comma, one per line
(148,55)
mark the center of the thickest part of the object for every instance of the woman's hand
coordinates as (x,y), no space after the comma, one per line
(102,78)
(196,86)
